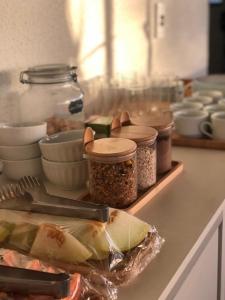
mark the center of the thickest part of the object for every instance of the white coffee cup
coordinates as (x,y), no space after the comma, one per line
(187,122)
(217,126)
(213,108)
(221,103)
(182,105)
(205,100)
(215,94)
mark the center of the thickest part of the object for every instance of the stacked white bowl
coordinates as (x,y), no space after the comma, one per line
(62,159)
(19,149)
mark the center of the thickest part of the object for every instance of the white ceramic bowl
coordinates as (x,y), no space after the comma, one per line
(205,100)
(17,169)
(186,105)
(67,175)
(20,152)
(63,147)
(15,134)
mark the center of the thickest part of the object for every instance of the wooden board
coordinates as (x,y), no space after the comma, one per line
(145,198)
(182,141)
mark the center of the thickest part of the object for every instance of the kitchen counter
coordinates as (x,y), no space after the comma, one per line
(189,215)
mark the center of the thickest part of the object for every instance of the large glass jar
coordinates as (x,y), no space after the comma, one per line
(53,95)
(145,138)
(112,171)
(163,123)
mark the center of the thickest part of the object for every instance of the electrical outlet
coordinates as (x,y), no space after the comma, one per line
(160,20)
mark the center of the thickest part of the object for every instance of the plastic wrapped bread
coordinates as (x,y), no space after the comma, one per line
(118,250)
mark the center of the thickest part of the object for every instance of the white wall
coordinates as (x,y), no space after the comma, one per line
(72,31)
(34,32)
(184,50)
(47,31)
(31,32)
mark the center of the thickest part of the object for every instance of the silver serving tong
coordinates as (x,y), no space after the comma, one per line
(29,194)
(23,281)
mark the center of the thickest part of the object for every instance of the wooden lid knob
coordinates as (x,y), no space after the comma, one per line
(88,136)
(115,123)
(125,118)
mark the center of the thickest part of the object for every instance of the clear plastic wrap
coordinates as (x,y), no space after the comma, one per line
(115,251)
(79,287)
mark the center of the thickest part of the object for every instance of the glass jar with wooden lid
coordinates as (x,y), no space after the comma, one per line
(112,170)
(145,138)
(162,121)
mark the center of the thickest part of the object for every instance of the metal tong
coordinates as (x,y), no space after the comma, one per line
(23,281)
(30,195)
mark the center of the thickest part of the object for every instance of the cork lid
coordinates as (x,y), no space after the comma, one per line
(110,147)
(136,133)
(159,120)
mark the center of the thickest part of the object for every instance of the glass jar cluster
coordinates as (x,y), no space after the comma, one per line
(129,161)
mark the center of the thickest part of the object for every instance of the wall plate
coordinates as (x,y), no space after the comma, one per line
(160,20)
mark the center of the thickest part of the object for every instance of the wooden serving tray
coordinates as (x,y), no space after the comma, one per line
(206,143)
(163,181)
(143,198)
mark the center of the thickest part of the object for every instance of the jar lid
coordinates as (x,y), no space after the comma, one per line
(159,121)
(47,74)
(110,147)
(136,133)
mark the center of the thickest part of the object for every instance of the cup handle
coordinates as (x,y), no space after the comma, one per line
(203,128)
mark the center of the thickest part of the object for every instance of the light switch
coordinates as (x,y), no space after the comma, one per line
(160,20)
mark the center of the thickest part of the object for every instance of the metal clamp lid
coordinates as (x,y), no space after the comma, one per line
(22,74)
(49,74)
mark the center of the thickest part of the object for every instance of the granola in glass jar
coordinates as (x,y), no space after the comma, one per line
(114,184)
(112,167)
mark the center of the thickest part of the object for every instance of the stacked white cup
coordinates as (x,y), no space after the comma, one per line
(192,112)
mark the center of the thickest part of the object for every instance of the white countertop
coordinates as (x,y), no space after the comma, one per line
(181,213)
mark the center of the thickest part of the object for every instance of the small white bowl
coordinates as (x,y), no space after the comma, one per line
(67,175)
(15,134)
(205,100)
(63,147)
(20,152)
(17,169)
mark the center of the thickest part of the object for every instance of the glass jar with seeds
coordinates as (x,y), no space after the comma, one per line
(112,170)
(145,138)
